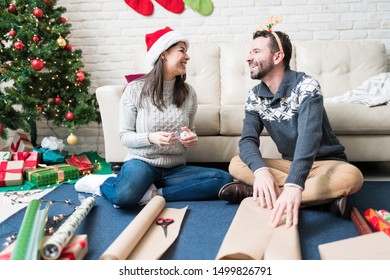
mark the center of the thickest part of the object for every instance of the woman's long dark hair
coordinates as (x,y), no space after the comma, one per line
(154,83)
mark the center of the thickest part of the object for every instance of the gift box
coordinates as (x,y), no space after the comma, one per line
(11,173)
(51,157)
(82,163)
(51,174)
(76,249)
(31,159)
(5,156)
(21,143)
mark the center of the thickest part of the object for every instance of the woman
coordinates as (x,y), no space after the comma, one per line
(156,124)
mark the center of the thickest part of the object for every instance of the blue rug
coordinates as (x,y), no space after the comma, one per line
(205,223)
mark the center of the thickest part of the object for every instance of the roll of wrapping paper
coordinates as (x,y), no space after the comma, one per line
(385,215)
(376,221)
(31,232)
(360,223)
(53,247)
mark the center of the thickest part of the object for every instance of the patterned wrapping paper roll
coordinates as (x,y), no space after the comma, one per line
(53,247)
(376,221)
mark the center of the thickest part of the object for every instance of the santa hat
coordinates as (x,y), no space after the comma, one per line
(160,41)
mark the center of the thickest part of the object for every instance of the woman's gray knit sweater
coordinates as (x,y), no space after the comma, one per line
(136,122)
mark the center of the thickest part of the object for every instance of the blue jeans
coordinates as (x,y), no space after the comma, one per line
(177,183)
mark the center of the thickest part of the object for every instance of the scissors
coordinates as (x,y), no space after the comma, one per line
(164,223)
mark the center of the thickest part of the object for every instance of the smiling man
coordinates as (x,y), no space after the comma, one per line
(289,105)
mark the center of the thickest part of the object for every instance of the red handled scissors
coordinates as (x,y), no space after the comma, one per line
(164,223)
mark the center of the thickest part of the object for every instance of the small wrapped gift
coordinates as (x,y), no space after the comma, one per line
(11,173)
(76,249)
(31,159)
(52,174)
(21,143)
(82,162)
(5,156)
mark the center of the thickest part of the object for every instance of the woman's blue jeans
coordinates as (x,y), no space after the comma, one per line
(177,183)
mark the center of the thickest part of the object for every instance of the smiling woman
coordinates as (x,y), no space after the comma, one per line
(152,109)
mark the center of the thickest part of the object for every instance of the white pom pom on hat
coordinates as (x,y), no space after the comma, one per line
(159,41)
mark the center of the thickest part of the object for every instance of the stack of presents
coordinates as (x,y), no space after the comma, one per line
(39,166)
(23,164)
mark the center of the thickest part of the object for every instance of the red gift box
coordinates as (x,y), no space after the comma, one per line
(11,173)
(21,143)
(82,163)
(31,159)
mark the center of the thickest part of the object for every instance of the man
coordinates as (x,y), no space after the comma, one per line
(289,105)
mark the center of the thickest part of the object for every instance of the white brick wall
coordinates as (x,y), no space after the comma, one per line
(106,30)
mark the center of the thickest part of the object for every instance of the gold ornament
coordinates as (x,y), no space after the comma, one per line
(61,42)
(72,139)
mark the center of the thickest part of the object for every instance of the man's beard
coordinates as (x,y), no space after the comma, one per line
(263,69)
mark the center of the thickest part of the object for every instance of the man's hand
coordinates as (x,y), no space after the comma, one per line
(265,189)
(288,202)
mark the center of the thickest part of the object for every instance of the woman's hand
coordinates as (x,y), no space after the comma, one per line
(160,138)
(188,138)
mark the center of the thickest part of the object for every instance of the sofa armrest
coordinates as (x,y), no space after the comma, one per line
(108,98)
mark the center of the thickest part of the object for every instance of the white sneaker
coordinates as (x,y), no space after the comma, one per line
(91,183)
(148,195)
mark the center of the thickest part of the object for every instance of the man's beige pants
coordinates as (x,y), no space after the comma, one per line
(327,180)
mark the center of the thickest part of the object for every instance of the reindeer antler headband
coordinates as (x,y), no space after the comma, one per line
(272,21)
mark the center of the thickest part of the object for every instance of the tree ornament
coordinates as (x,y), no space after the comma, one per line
(37,13)
(63,20)
(39,108)
(80,77)
(48,2)
(203,7)
(19,45)
(37,64)
(57,99)
(35,39)
(1,128)
(143,7)
(12,33)
(174,6)
(68,47)
(61,42)
(72,139)
(69,116)
(11,8)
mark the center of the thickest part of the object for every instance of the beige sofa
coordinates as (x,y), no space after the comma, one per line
(219,74)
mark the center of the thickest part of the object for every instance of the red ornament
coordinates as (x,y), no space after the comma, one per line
(69,116)
(57,100)
(35,39)
(11,8)
(63,20)
(12,32)
(19,45)
(68,48)
(37,13)
(39,108)
(80,77)
(48,2)
(1,128)
(37,64)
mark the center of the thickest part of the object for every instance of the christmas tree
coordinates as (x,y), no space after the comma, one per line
(42,76)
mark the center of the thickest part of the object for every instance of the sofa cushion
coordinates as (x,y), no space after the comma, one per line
(358,119)
(340,66)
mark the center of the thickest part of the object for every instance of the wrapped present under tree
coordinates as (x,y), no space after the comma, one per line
(52,174)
